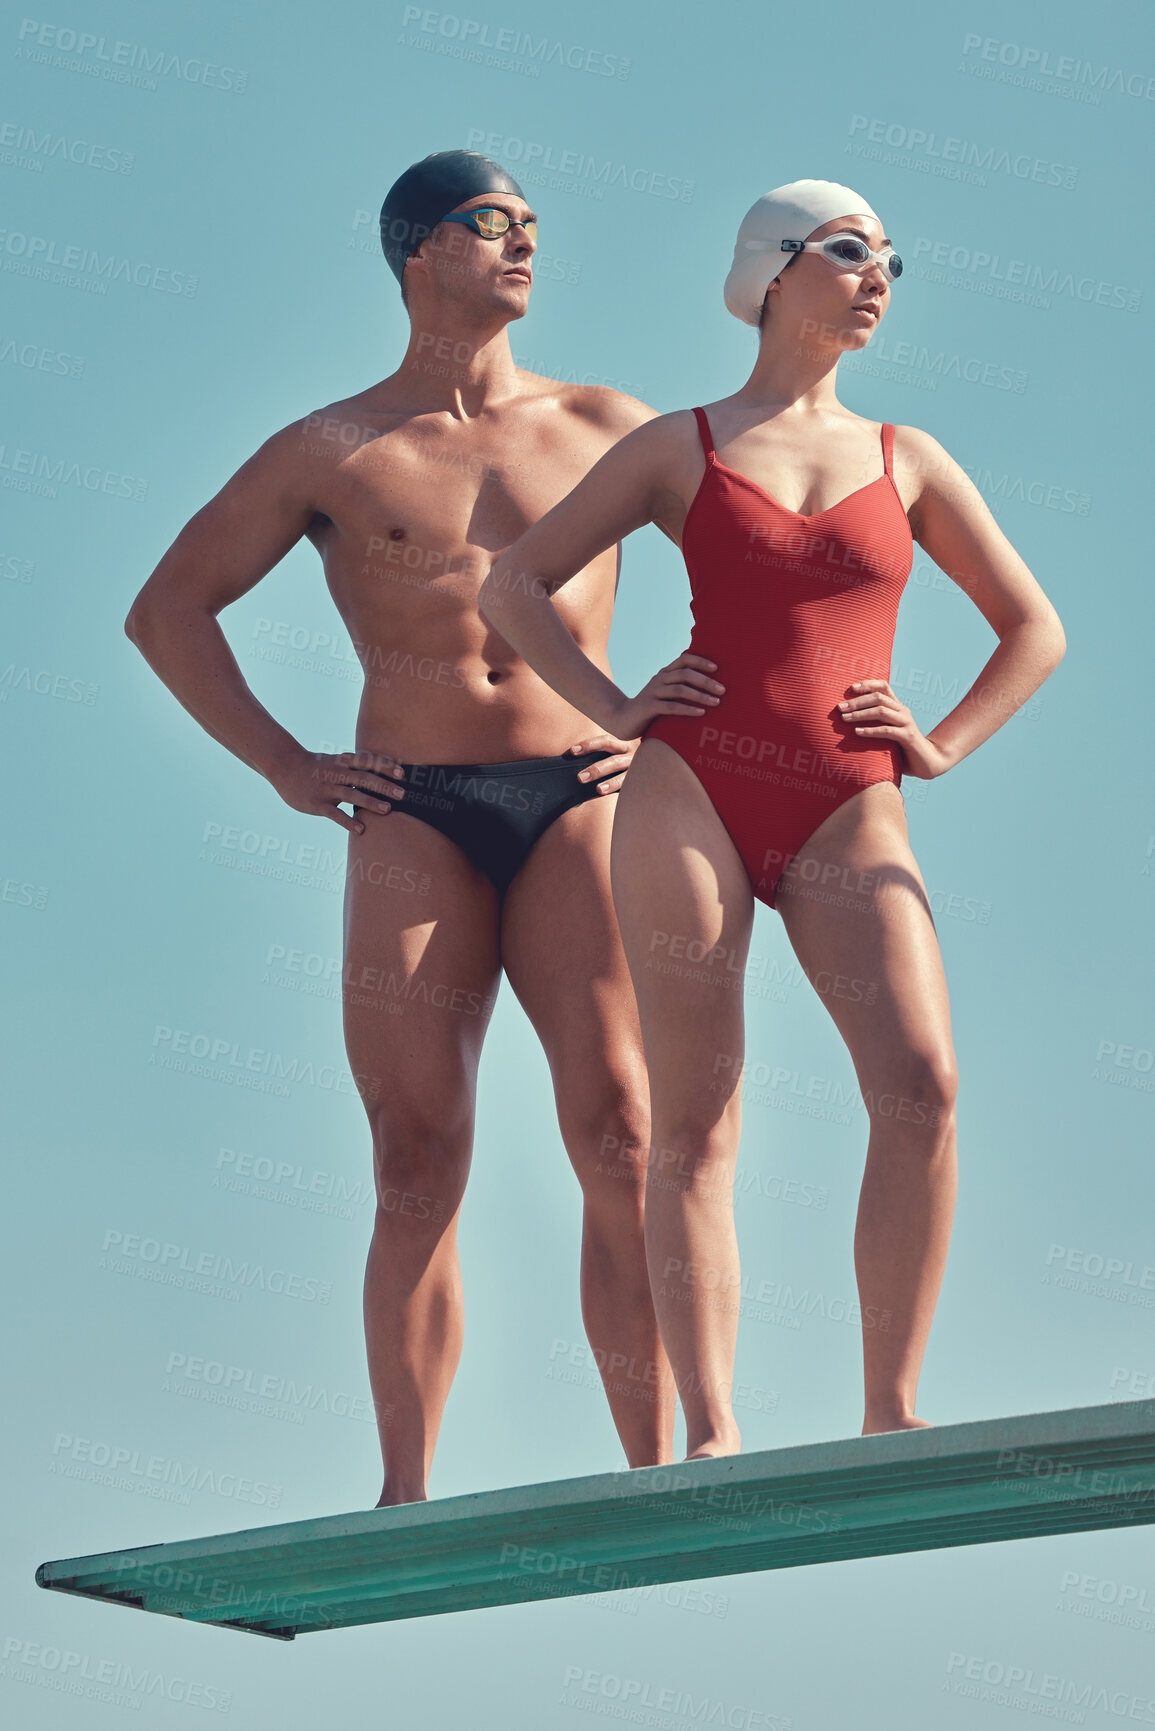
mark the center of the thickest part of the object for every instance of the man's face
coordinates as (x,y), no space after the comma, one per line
(472,269)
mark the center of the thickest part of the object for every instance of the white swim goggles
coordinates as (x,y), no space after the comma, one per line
(849,252)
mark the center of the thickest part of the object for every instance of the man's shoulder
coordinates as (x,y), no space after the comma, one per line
(614,410)
(602,406)
(334,430)
(349,421)
(655,434)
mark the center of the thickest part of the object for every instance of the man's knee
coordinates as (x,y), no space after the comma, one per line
(421,1159)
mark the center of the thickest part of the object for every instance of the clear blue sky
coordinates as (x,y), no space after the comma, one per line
(225,160)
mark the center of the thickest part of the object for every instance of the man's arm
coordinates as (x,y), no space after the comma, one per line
(220,555)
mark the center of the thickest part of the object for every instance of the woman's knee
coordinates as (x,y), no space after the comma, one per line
(920,1093)
(694,1148)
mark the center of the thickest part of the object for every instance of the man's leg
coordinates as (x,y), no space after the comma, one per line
(563,955)
(421,970)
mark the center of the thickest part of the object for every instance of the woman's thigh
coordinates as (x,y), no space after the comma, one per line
(858,916)
(685,909)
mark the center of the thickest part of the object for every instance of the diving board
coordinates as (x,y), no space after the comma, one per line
(1079,1470)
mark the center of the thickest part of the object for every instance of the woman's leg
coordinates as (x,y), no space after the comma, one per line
(856,911)
(685,910)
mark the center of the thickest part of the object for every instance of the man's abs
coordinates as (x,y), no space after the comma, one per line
(431,696)
(407,524)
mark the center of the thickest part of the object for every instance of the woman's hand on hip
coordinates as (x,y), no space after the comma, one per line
(875,712)
(685,687)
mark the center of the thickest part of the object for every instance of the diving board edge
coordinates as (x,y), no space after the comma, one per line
(1078,1469)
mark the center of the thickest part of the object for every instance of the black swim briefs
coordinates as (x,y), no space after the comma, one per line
(496,812)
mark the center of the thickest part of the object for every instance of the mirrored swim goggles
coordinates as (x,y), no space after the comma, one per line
(849,252)
(492,224)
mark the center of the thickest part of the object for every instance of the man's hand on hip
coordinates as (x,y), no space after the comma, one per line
(319,783)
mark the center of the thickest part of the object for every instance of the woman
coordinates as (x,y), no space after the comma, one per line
(779,778)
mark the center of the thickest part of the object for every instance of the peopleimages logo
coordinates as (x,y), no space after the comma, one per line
(1019,277)
(134,1470)
(35,357)
(587,1689)
(241,1386)
(116,1682)
(1032,64)
(24,147)
(534,158)
(987,159)
(171,1264)
(1022,1686)
(42,472)
(472,34)
(118,62)
(220,1058)
(40,256)
(47,684)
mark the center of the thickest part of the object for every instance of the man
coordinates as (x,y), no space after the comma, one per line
(472,783)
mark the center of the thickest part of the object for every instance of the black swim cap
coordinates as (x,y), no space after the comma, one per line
(416,203)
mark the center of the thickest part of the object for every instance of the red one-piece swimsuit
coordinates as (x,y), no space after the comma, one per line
(794,610)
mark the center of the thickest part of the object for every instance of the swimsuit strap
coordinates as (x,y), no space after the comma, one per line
(888,448)
(887,442)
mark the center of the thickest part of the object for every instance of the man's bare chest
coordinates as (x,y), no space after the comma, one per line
(440,493)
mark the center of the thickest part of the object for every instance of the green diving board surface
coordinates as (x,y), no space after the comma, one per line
(1079,1470)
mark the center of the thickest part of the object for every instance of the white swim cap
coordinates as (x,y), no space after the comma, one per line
(790,212)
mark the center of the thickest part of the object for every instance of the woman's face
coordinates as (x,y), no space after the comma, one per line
(825,306)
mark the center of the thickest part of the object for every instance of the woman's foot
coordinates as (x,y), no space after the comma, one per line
(723,1441)
(900,1421)
(393,1495)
